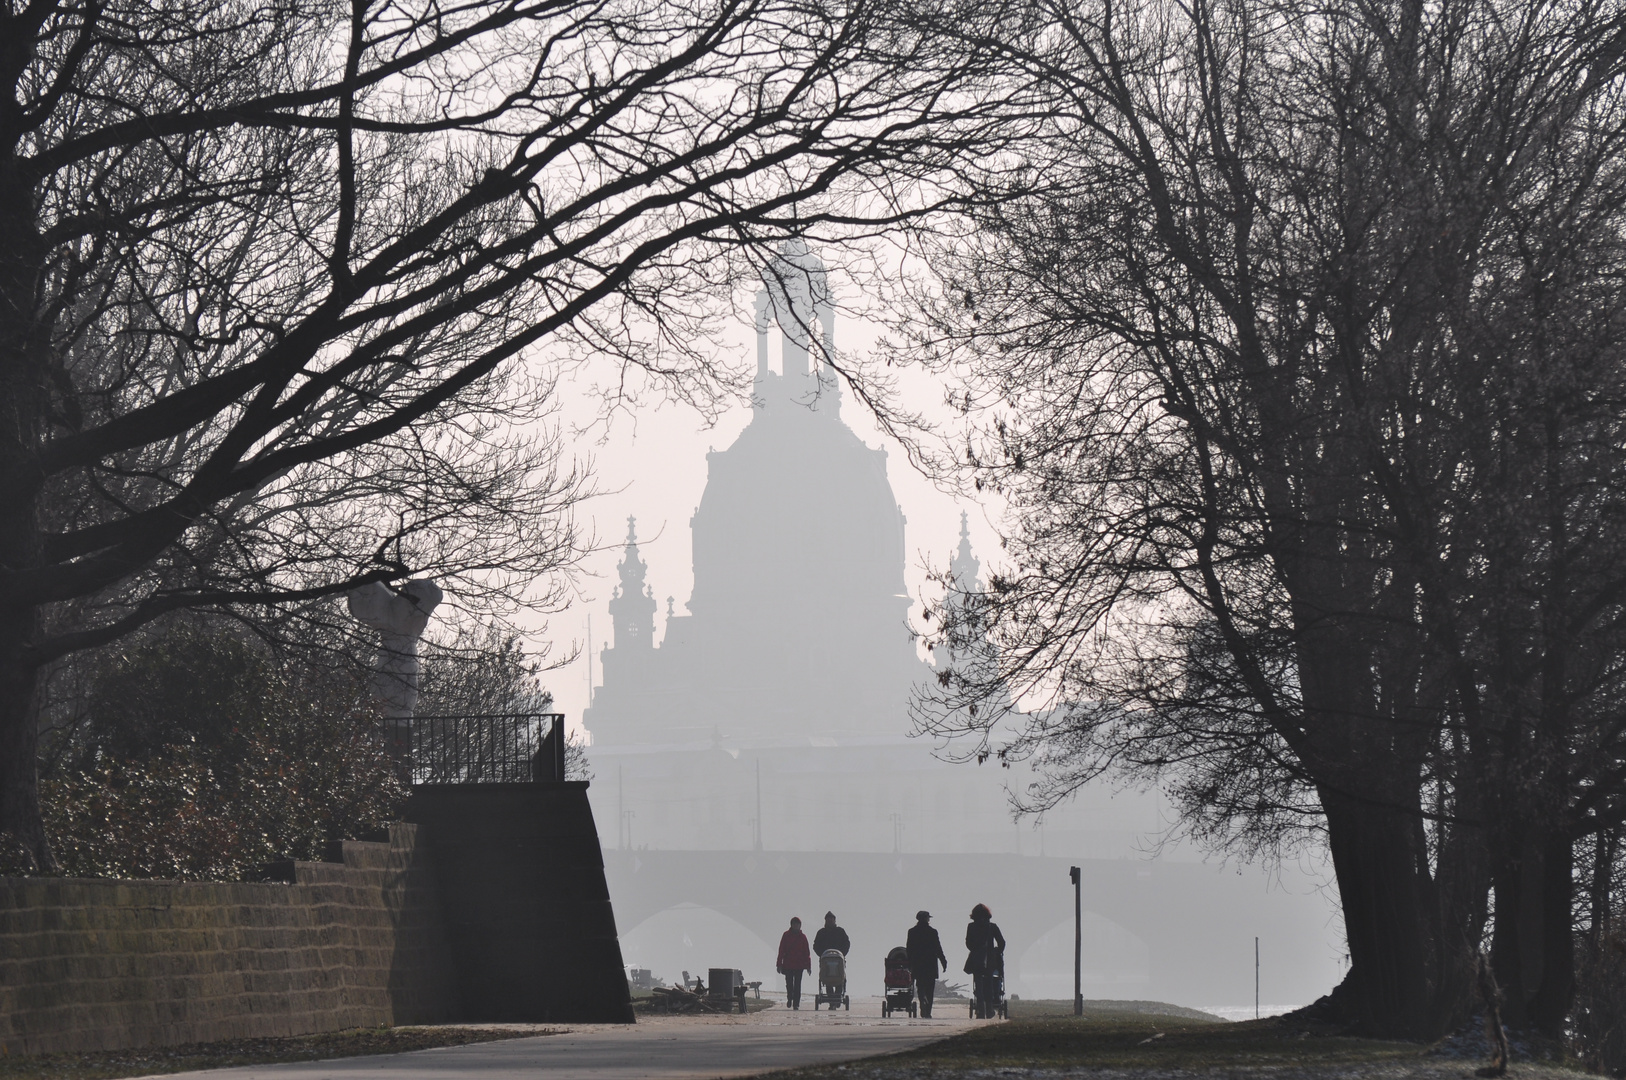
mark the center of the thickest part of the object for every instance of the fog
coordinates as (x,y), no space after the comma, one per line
(751,750)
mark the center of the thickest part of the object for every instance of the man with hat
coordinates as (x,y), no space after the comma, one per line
(925,953)
(831,936)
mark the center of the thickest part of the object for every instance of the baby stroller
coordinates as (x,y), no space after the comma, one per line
(988,997)
(832,981)
(900,984)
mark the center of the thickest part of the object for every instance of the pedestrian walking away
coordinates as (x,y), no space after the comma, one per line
(985,962)
(831,936)
(794,959)
(925,954)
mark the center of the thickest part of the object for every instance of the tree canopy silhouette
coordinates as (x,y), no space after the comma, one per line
(266,267)
(1294,338)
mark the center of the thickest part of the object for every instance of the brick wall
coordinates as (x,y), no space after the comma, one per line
(92,964)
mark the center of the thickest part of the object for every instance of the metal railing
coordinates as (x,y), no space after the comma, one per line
(509,749)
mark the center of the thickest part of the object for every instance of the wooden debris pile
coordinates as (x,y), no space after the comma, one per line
(675,999)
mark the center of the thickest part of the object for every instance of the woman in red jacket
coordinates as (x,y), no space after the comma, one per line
(794,958)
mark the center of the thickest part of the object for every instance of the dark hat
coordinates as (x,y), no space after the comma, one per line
(923,914)
(829,914)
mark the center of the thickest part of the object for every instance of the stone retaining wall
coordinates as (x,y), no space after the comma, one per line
(528,911)
(357,941)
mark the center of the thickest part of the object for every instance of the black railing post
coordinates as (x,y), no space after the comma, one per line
(1078,939)
(558,747)
(549,763)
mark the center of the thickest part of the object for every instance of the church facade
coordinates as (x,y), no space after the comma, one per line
(772,710)
(798,619)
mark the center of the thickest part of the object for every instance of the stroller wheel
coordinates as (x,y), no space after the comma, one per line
(847,1003)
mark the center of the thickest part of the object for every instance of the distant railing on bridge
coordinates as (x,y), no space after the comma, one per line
(508,749)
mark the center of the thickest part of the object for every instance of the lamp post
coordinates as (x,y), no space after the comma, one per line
(756,822)
(1078,940)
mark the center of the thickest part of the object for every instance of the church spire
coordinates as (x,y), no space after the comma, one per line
(632,608)
(965,566)
(967,651)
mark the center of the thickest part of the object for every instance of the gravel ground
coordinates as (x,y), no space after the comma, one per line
(103,1064)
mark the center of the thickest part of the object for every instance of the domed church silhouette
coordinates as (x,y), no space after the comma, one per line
(797,625)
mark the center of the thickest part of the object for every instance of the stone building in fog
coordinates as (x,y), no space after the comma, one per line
(770,713)
(797,624)
(772,707)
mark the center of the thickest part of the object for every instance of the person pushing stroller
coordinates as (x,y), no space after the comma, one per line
(831,946)
(985,962)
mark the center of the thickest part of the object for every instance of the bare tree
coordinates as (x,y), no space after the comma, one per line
(1295,342)
(264,265)
(481,671)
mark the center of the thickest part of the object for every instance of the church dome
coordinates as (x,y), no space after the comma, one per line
(798,511)
(798,618)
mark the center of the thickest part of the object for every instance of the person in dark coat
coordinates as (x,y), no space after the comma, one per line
(925,953)
(831,936)
(985,958)
(794,959)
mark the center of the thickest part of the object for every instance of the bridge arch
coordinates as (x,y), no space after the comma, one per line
(687,936)
(1117,962)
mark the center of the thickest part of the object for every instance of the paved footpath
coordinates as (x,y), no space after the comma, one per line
(656,1048)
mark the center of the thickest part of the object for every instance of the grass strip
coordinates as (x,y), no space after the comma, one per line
(1130,1041)
(151,1061)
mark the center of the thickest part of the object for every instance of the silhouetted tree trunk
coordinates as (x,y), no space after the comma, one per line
(1385,903)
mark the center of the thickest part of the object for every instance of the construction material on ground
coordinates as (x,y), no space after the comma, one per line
(675,999)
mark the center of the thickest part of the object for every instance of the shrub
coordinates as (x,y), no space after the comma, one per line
(1598,1022)
(202,754)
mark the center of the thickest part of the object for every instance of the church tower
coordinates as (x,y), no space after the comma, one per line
(632,608)
(964,580)
(965,567)
(795,294)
